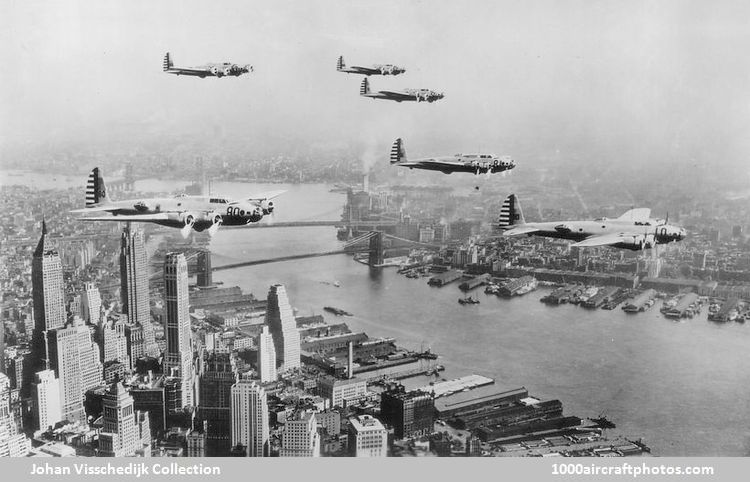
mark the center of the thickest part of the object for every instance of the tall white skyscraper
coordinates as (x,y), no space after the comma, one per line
(250,417)
(91,304)
(70,376)
(300,437)
(266,356)
(283,327)
(47,398)
(178,356)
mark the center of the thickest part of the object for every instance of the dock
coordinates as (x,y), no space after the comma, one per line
(457,385)
(640,302)
(474,282)
(443,279)
(728,312)
(602,296)
(685,307)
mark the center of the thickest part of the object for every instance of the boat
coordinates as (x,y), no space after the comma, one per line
(337,311)
(468,301)
(337,284)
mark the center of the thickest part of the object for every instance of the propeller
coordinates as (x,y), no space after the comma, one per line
(185,231)
(217,220)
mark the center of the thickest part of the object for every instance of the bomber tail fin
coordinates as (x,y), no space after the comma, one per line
(398,153)
(167,62)
(364,88)
(340,64)
(96,193)
(510,213)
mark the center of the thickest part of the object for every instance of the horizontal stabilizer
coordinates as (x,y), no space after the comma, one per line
(266,195)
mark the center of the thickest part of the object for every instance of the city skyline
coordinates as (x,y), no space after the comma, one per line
(371,310)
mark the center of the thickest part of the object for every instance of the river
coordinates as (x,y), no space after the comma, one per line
(682,386)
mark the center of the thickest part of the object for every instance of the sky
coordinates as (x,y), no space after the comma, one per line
(600,81)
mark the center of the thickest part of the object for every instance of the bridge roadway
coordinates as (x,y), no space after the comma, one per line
(295,224)
(286,258)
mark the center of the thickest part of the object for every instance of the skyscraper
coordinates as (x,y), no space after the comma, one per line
(91,304)
(178,356)
(134,286)
(47,399)
(68,367)
(250,418)
(49,305)
(214,415)
(115,343)
(300,437)
(125,431)
(266,356)
(283,327)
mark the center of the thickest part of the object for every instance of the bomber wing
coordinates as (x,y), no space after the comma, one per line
(188,71)
(605,240)
(129,217)
(398,95)
(520,230)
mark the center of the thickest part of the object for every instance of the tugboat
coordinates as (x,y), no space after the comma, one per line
(468,301)
(336,311)
(603,422)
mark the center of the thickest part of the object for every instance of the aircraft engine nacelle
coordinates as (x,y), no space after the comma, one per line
(228,70)
(255,214)
(215,217)
(267,207)
(215,70)
(188,218)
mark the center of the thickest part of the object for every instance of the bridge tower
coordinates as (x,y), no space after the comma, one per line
(129,183)
(376,249)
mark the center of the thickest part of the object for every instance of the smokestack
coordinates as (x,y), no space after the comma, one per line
(350,363)
(366,182)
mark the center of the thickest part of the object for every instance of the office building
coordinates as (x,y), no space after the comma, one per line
(367,437)
(46,392)
(214,412)
(178,356)
(91,304)
(342,392)
(266,356)
(300,436)
(125,431)
(134,274)
(249,418)
(283,328)
(410,414)
(115,343)
(48,294)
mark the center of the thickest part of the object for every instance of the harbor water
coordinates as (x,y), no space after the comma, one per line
(684,386)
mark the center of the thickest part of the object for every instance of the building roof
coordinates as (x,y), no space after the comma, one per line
(485,394)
